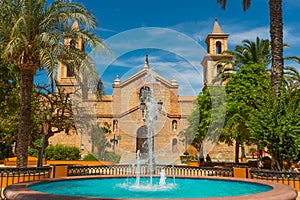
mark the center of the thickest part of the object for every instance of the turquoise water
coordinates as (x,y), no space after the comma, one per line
(126,188)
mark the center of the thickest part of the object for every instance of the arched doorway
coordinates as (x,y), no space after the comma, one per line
(142,141)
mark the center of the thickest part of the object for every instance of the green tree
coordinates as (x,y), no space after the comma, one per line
(207,120)
(249,52)
(32,34)
(99,138)
(276,33)
(275,125)
(9,106)
(245,91)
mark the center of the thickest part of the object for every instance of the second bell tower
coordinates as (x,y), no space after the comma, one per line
(216,43)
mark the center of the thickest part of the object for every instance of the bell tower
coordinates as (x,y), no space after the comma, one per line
(216,43)
(66,75)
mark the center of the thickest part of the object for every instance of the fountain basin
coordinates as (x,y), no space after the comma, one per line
(23,190)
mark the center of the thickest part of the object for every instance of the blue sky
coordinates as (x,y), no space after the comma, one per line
(194,19)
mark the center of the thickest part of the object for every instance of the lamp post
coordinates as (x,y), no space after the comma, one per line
(82,147)
(45,127)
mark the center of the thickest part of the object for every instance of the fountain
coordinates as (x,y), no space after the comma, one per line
(138,168)
(162,180)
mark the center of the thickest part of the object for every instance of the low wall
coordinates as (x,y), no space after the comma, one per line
(78,162)
(33,161)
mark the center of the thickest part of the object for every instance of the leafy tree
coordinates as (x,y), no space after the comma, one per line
(32,34)
(245,91)
(275,125)
(199,121)
(53,109)
(9,104)
(207,120)
(99,139)
(276,33)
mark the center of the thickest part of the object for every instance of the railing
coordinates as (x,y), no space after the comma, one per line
(131,170)
(12,175)
(288,178)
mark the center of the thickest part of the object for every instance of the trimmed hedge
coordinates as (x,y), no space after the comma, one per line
(61,152)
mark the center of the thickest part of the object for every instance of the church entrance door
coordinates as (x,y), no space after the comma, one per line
(142,142)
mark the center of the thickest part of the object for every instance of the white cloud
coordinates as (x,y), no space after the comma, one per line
(104,29)
(236,37)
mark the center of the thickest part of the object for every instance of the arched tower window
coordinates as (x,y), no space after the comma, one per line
(174,125)
(218,47)
(73,44)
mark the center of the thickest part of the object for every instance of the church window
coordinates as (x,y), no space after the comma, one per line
(218,47)
(174,125)
(144,94)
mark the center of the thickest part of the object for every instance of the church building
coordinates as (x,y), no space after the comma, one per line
(144,99)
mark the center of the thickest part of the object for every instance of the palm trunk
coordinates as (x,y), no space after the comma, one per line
(237,152)
(27,76)
(276,33)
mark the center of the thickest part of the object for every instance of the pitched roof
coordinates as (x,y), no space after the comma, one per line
(216,29)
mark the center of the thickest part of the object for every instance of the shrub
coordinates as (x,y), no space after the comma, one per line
(90,157)
(4,151)
(111,156)
(61,152)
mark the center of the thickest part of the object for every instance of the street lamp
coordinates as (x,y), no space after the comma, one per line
(159,105)
(82,147)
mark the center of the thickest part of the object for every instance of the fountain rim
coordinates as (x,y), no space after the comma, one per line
(21,190)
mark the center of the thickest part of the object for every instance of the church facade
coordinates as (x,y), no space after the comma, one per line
(144,99)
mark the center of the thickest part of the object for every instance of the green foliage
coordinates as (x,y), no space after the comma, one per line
(186,158)
(99,139)
(105,156)
(4,151)
(110,156)
(61,152)
(90,157)
(276,125)
(31,37)
(206,121)
(246,90)
(9,102)
(33,152)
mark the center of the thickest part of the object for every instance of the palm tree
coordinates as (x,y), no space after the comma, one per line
(276,33)
(258,52)
(32,34)
(250,53)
